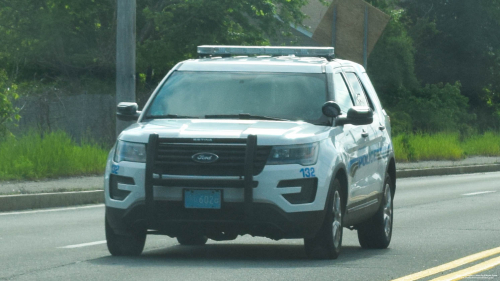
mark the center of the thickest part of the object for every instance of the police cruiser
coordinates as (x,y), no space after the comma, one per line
(278,142)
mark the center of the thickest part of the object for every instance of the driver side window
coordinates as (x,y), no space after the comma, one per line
(359,94)
(341,93)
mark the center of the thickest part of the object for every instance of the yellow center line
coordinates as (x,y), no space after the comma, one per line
(450,265)
(470,271)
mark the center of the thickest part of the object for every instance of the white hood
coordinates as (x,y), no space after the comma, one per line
(268,132)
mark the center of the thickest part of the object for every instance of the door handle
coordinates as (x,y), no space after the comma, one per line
(364,134)
(381,127)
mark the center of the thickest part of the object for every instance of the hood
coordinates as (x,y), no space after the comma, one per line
(268,132)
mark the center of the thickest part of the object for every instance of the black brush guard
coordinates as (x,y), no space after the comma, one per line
(245,182)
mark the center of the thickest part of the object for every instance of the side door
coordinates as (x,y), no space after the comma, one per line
(363,166)
(380,127)
(352,140)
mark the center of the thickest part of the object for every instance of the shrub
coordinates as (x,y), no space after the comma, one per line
(8,112)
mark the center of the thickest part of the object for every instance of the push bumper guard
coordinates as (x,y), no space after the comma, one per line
(247,182)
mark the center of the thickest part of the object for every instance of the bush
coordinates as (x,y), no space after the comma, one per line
(437,107)
(8,112)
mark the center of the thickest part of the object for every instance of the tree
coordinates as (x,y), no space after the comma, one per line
(170,30)
(53,38)
(74,39)
(458,41)
(429,108)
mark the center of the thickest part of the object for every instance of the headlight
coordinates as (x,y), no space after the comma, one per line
(304,154)
(130,151)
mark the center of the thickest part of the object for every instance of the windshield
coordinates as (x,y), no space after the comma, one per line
(291,96)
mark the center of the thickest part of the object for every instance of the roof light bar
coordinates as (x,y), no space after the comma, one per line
(220,50)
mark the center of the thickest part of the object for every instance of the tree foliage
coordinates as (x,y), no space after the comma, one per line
(458,41)
(51,38)
(169,31)
(8,112)
(437,65)
(447,48)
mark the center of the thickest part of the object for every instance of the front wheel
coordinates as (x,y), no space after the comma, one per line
(327,242)
(124,245)
(376,233)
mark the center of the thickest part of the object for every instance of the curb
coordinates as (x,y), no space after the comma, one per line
(447,171)
(65,199)
(49,200)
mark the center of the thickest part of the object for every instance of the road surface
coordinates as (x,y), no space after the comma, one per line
(442,225)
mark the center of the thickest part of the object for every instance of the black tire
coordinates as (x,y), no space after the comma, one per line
(376,233)
(192,240)
(328,241)
(125,245)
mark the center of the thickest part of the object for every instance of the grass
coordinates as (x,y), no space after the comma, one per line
(487,144)
(444,146)
(55,154)
(36,156)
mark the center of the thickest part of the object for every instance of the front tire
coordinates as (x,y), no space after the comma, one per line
(328,241)
(124,245)
(376,233)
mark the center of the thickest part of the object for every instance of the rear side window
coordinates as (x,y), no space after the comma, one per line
(342,96)
(359,94)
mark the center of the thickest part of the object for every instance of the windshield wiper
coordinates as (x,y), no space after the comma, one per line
(244,116)
(172,116)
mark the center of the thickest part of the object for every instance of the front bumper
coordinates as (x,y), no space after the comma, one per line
(172,219)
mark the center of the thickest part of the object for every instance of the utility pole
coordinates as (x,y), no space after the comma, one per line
(125,56)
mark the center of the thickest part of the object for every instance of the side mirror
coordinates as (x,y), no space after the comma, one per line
(331,109)
(127,111)
(357,115)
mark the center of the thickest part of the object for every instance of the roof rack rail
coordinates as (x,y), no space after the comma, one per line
(226,51)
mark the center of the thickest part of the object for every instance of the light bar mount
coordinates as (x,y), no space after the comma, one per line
(226,51)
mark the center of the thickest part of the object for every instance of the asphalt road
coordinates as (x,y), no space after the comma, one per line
(438,220)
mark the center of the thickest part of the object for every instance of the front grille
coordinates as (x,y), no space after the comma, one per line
(174,157)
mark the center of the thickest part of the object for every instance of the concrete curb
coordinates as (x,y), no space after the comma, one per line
(443,171)
(65,199)
(49,200)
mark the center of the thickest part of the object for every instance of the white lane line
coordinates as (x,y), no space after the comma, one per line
(477,193)
(83,245)
(50,210)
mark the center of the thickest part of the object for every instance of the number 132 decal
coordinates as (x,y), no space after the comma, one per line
(307,172)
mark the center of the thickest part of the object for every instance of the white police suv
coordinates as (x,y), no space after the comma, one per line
(279,142)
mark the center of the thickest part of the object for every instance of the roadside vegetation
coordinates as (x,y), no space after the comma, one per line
(50,155)
(444,146)
(436,68)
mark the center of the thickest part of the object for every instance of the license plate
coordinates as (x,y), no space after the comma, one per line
(202,199)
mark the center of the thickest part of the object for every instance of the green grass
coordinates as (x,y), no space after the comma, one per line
(401,149)
(487,144)
(444,146)
(55,154)
(441,146)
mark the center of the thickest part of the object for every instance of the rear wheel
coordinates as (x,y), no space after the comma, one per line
(327,242)
(376,233)
(192,240)
(131,244)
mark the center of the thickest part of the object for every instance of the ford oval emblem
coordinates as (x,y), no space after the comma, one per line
(205,157)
